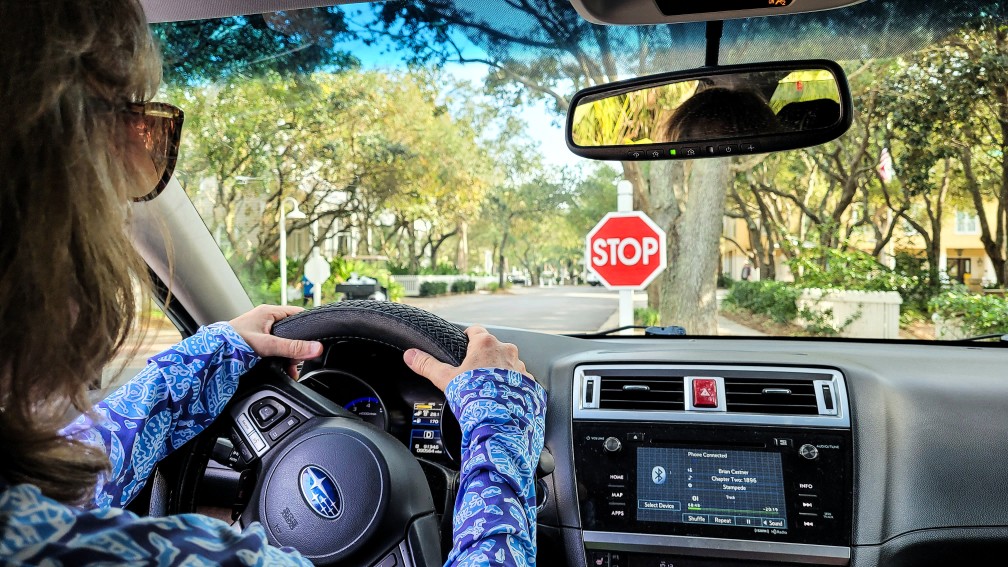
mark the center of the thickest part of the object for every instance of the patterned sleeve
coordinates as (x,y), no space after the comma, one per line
(174,398)
(502,414)
(42,531)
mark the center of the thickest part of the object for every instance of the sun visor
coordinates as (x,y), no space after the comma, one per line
(675,11)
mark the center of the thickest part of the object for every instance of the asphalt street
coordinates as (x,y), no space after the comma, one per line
(560,309)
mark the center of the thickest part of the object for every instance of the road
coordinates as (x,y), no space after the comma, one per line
(562,309)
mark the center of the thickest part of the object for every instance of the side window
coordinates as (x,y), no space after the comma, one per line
(160,335)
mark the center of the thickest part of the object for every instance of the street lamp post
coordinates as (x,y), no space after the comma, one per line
(294,214)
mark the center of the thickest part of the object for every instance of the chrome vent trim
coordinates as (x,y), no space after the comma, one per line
(773,396)
(753,394)
(641,392)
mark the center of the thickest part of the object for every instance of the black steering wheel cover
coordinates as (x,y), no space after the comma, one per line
(392,324)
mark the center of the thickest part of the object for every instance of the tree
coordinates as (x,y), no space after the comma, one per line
(285,43)
(335,142)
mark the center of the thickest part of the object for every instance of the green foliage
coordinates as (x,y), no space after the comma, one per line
(442,269)
(777,300)
(283,42)
(432,289)
(829,268)
(977,314)
(646,316)
(463,286)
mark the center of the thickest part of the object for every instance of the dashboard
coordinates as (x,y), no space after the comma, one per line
(695,452)
(371,381)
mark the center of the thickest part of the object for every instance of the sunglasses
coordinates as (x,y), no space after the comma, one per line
(159,126)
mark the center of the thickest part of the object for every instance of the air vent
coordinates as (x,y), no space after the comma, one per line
(771,396)
(642,393)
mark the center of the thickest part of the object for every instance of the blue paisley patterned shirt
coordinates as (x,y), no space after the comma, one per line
(182,390)
(502,414)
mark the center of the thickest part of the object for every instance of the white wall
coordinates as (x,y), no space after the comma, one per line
(872,314)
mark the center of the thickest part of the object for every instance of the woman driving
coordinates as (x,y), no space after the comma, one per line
(81,140)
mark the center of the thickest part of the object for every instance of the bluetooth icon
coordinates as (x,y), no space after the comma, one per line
(658,475)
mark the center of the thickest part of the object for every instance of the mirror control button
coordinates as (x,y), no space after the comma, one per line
(267,412)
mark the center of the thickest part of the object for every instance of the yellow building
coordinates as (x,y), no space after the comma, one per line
(962,254)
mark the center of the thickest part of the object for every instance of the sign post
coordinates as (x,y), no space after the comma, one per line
(624,204)
(626,250)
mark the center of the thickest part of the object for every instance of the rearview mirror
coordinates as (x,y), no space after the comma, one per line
(712,112)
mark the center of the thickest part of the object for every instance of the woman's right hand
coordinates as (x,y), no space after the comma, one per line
(484,351)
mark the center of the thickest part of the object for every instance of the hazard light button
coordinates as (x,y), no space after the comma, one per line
(705,393)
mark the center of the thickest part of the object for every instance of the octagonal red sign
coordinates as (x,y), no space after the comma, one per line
(625,250)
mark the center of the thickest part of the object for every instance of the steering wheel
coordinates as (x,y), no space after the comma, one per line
(319,479)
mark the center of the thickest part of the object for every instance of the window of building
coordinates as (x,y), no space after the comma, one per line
(967,223)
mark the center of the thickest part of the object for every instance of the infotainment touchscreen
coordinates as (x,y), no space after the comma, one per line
(711,486)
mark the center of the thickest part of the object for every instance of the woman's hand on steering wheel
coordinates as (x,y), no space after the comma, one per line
(255,325)
(484,351)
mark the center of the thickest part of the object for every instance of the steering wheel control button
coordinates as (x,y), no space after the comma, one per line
(267,412)
(598,559)
(612,445)
(246,425)
(389,561)
(285,427)
(256,440)
(705,393)
(246,455)
(810,452)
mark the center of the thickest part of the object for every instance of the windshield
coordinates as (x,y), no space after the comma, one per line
(415,152)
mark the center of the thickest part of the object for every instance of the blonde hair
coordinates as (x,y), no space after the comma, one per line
(68,297)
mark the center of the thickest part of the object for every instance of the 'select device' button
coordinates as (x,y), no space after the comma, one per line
(705,393)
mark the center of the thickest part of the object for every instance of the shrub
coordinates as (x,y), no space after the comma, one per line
(442,269)
(977,314)
(463,286)
(431,289)
(646,317)
(777,300)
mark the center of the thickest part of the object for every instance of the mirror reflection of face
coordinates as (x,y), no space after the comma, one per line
(727,106)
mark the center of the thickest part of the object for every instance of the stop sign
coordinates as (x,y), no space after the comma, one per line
(626,250)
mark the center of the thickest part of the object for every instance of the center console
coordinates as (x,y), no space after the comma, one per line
(712,465)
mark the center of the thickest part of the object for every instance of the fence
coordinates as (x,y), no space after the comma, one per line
(858,314)
(411,284)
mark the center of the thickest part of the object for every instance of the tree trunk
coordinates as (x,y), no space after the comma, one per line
(500,252)
(664,209)
(690,283)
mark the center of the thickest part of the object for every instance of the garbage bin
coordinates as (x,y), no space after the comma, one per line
(362,288)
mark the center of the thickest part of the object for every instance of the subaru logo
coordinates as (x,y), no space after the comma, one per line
(320,492)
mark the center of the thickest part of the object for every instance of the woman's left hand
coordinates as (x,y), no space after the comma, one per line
(255,326)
